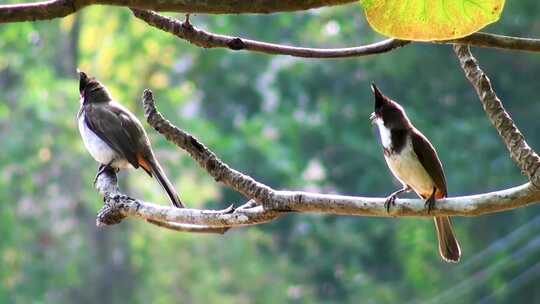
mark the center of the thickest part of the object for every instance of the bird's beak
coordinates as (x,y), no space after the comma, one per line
(372,117)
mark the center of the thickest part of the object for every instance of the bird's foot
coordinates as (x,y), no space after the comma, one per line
(390,201)
(102,168)
(430,204)
(117,198)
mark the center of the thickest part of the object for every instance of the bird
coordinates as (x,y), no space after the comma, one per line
(114,136)
(412,159)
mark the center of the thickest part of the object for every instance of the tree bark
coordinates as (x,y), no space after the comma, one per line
(60,8)
(520,152)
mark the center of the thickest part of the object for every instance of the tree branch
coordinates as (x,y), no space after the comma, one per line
(204,39)
(487,40)
(51,9)
(110,214)
(118,205)
(520,152)
(201,38)
(45,10)
(221,172)
(188,228)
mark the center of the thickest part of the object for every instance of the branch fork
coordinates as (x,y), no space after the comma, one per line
(265,204)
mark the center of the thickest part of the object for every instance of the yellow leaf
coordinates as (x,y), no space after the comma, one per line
(426,20)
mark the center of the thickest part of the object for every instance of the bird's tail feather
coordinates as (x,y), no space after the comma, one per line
(159,174)
(448,244)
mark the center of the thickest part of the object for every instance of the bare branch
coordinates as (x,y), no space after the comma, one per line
(204,39)
(110,214)
(221,172)
(45,10)
(521,153)
(181,219)
(51,9)
(487,40)
(226,6)
(118,206)
(188,228)
(201,38)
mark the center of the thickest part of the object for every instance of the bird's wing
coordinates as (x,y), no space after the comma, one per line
(117,128)
(430,161)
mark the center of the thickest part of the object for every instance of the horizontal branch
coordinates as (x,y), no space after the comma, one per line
(488,40)
(107,185)
(47,10)
(187,228)
(202,38)
(195,220)
(473,205)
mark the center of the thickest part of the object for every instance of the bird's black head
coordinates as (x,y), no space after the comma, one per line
(91,90)
(388,111)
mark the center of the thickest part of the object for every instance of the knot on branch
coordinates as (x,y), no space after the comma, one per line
(236,44)
(187,24)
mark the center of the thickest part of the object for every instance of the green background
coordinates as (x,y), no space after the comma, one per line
(298,124)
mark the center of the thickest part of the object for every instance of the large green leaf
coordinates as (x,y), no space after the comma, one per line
(424,20)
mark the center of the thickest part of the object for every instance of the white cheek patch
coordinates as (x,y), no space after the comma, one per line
(386,135)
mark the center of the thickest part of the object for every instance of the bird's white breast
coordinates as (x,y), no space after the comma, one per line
(405,165)
(99,149)
(409,170)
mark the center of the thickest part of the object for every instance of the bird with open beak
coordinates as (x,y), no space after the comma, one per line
(412,159)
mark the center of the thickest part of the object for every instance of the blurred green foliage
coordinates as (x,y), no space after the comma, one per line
(291,123)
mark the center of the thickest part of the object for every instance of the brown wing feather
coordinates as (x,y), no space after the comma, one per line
(430,160)
(115,128)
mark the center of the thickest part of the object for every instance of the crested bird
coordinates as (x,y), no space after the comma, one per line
(114,136)
(412,159)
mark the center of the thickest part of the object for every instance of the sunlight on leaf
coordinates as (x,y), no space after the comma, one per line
(423,20)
